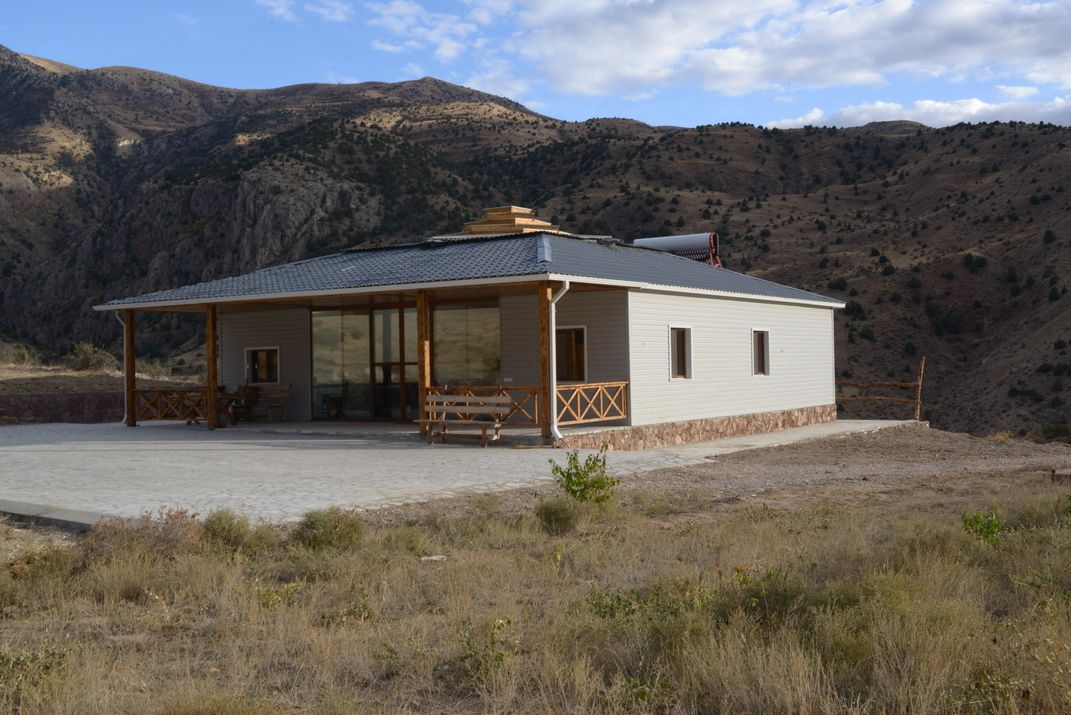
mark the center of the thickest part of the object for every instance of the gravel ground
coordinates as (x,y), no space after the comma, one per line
(908,463)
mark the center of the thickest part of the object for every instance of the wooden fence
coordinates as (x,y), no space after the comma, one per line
(915,385)
(189,404)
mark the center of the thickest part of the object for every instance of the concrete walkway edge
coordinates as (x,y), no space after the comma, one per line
(44,515)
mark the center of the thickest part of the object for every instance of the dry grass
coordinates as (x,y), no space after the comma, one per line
(833,607)
(48,379)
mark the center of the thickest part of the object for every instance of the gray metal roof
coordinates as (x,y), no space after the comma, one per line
(501,256)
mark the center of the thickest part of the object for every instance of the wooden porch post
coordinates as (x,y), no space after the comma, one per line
(211,368)
(423,325)
(129,370)
(547,398)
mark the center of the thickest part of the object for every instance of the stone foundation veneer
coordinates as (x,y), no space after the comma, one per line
(667,433)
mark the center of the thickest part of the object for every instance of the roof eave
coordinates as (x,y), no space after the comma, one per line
(666,288)
(298,295)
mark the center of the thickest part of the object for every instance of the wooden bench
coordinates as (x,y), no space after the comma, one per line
(273,399)
(446,411)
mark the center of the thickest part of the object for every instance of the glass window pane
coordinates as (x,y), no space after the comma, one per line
(387,338)
(410,335)
(569,348)
(356,391)
(327,370)
(761,350)
(466,344)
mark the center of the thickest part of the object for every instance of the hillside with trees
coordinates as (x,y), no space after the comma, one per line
(951,243)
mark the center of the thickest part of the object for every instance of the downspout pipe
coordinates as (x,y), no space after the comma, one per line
(555,433)
(126,407)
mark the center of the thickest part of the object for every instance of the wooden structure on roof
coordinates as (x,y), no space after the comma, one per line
(507,219)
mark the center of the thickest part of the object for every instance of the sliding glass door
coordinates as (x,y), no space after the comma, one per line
(364,364)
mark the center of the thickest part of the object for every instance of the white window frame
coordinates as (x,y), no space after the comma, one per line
(278,365)
(766,366)
(583,328)
(689,372)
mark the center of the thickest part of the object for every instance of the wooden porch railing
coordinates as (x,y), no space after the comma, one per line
(592,402)
(525,409)
(183,403)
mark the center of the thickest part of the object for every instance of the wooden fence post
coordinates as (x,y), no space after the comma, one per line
(918,390)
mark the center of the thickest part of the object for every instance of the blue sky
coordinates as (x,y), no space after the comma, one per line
(684,62)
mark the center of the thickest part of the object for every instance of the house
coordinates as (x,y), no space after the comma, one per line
(655,347)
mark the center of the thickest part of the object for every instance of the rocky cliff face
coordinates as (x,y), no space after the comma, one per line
(952,243)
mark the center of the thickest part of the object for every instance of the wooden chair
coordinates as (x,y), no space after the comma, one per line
(274,398)
(445,411)
(248,396)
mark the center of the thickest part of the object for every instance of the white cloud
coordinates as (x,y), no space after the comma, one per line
(387,46)
(937,113)
(1017,92)
(602,46)
(499,77)
(413,70)
(282,9)
(331,10)
(446,33)
(486,11)
(811,117)
(188,20)
(640,96)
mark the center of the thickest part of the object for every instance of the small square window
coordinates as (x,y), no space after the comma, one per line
(680,353)
(761,352)
(262,365)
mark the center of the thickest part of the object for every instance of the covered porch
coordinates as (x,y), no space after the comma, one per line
(558,351)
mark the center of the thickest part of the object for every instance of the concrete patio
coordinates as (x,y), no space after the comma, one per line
(278,472)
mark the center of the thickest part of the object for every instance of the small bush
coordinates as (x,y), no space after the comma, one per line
(16,354)
(333,528)
(987,526)
(39,562)
(1060,430)
(587,482)
(23,671)
(557,515)
(164,535)
(409,537)
(225,528)
(87,356)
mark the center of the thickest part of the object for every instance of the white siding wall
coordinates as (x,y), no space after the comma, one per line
(287,330)
(604,313)
(722,383)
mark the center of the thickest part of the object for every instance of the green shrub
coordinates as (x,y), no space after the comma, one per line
(557,515)
(587,482)
(987,526)
(21,671)
(333,528)
(16,354)
(1059,430)
(87,356)
(225,528)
